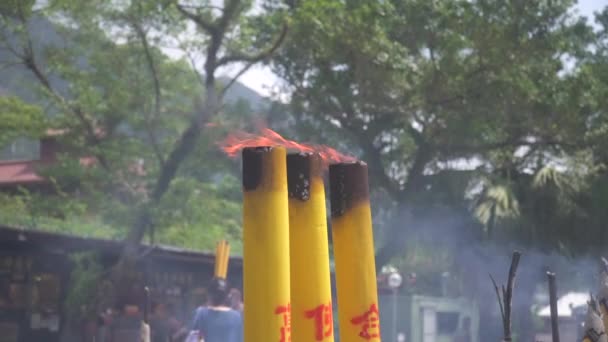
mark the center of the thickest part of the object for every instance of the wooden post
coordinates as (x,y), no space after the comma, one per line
(553,306)
(145,327)
(505,300)
(146,305)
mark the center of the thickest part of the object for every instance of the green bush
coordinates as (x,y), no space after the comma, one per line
(81,300)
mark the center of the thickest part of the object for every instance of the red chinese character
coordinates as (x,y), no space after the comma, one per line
(369,322)
(286,328)
(323,320)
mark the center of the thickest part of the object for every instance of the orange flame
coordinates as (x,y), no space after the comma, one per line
(237,141)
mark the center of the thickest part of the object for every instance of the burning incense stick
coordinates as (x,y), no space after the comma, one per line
(310,282)
(265,245)
(354,252)
(218,253)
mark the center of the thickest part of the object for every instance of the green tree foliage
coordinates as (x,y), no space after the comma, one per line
(137,118)
(19,119)
(196,214)
(495,110)
(447,100)
(80,301)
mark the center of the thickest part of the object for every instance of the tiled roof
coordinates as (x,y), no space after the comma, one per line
(70,243)
(24,172)
(19,172)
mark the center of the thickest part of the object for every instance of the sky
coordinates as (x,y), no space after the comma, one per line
(262,80)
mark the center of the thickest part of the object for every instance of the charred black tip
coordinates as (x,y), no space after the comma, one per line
(348,186)
(253,166)
(301,169)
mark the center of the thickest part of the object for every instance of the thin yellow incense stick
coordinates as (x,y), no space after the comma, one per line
(224,270)
(218,253)
(227,259)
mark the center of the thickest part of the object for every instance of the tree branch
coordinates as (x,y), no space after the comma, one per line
(376,166)
(28,59)
(216,37)
(234,79)
(250,59)
(202,23)
(199,77)
(412,185)
(498,297)
(157,94)
(471,148)
(258,57)
(219,8)
(187,141)
(182,148)
(230,10)
(9,47)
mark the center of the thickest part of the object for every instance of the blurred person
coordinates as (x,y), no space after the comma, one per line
(191,334)
(177,329)
(218,322)
(128,324)
(236,300)
(160,330)
(103,321)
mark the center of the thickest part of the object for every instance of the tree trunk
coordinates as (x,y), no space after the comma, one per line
(183,148)
(413,185)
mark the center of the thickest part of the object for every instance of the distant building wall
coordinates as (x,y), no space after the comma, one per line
(427,319)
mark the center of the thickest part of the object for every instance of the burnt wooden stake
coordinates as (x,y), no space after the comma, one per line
(505,296)
(146,305)
(553,306)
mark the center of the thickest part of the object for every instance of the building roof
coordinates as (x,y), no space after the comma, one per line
(70,243)
(24,172)
(19,172)
(566,304)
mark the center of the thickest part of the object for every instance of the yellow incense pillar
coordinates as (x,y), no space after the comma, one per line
(265,245)
(311,319)
(354,253)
